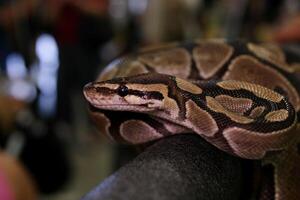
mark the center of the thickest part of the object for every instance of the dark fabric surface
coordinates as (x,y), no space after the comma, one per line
(178,167)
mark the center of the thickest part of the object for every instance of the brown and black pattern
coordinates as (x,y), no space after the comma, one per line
(241,97)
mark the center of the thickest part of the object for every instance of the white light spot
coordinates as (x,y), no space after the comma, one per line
(15,66)
(22,90)
(137,7)
(47,105)
(47,83)
(45,73)
(46,49)
(118,9)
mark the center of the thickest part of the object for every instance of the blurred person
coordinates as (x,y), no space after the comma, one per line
(80,28)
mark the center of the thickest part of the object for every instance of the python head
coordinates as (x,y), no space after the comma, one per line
(144,99)
(143,93)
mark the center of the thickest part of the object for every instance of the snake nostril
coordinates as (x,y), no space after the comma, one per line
(122,91)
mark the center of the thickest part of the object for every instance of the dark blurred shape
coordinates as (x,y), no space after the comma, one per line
(45,157)
(80,32)
(40,151)
(123,154)
(16,27)
(178,167)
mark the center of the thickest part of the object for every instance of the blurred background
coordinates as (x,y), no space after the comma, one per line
(49,49)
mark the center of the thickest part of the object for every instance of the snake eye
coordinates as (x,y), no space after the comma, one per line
(122,91)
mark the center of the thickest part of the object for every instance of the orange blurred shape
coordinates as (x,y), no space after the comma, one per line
(20,185)
(9,107)
(289,32)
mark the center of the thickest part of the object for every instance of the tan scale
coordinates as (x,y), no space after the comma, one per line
(175,61)
(200,120)
(277,115)
(102,123)
(211,40)
(132,68)
(127,67)
(210,57)
(135,69)
(238,105)
(249,69)
(215,106)
(271,53)
(107,74)
(238,137)
(188,86)
(258,90)
(173,128)
(256,112)
(136,132)
(158,47)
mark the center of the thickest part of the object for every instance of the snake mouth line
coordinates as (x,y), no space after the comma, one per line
(121,107)
(141,111)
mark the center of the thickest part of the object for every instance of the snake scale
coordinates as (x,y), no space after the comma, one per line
(239,96)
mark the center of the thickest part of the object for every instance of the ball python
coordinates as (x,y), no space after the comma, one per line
(241,97)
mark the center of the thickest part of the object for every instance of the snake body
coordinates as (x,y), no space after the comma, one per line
(241,97)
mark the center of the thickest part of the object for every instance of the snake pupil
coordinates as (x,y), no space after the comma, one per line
(122,91)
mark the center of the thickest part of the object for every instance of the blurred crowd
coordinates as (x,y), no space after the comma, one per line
(49,49)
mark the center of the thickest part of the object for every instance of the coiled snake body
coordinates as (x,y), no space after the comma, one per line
(241,97)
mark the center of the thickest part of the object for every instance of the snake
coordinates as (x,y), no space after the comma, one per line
(240,96)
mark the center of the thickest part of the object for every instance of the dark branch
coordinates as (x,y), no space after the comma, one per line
(178,167)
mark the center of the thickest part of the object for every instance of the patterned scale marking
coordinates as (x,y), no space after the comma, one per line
(245,120)
(163,98)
